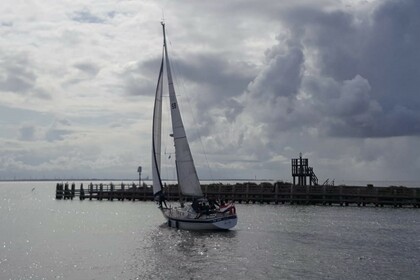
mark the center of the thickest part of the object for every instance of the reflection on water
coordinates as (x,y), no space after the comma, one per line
(44,238)
(177,254)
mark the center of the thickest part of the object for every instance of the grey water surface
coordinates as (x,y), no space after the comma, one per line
(44,238)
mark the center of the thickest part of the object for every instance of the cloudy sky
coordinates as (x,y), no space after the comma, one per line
(258,82)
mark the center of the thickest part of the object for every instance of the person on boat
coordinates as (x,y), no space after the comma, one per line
(195,205)
(200,207)
(162,200)
(213,204)
(206,208)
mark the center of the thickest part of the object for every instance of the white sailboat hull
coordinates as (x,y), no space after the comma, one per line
(183,219)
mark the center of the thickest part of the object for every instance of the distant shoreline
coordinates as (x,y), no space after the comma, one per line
(376,183)
(132,179)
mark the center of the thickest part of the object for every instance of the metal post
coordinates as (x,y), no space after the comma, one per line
(139,171)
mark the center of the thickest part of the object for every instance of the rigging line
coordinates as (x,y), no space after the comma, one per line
(182,84)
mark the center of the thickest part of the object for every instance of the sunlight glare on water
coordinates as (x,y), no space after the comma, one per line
(42,238)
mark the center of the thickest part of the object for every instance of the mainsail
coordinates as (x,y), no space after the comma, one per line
(157,131)
(187,175)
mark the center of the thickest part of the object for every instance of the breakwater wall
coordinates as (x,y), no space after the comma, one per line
(277,193)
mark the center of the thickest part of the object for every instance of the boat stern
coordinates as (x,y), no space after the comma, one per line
(226,224)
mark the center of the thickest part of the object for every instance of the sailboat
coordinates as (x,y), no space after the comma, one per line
(200,213)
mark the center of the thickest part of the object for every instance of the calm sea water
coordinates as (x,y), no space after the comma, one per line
(41,238)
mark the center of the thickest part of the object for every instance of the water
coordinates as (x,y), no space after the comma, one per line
(41,238)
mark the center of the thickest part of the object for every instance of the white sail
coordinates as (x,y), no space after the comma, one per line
(156,134)
(187,175)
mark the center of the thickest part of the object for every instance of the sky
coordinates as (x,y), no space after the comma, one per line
(258,83)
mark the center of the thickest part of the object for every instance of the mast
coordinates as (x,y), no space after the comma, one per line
(187,175)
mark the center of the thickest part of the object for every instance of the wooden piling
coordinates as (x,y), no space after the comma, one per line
(59,191)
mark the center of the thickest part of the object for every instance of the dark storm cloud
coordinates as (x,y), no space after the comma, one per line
(281,77)
(272,97)
(365,79)
(215,73)
(216,82)
(392,57)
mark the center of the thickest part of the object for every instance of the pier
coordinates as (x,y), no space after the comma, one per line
(269,193)
(304,190)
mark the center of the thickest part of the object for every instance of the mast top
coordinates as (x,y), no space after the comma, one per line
(164,32)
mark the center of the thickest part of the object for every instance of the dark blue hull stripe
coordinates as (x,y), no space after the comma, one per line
(197,221)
